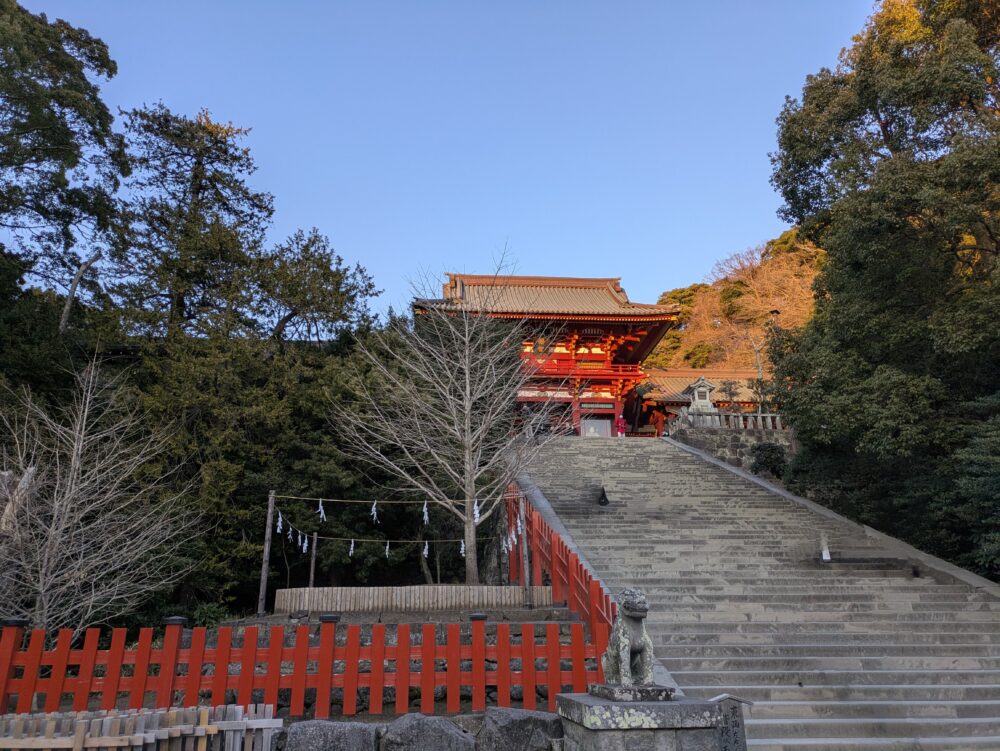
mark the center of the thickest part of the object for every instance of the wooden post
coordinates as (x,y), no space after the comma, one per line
(312,563)
(266,563)
(525,553)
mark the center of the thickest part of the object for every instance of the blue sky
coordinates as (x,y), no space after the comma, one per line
(622,139)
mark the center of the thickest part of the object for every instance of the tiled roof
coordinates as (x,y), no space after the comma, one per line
(545,295)
(669,384)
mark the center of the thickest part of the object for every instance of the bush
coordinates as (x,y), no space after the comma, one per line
(769,457)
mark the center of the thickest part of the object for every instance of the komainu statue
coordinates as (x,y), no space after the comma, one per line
(629,659)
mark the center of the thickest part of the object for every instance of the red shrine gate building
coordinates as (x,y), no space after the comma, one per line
(593,362)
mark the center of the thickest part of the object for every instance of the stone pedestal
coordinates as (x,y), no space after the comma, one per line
(598,723)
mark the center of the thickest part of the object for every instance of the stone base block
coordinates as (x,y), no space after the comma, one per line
(591,723)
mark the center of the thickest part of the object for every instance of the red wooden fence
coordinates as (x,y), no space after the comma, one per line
(39,674)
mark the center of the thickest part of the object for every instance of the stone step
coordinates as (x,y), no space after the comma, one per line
(890,596)
(843,692)
(887,709)
(975,743)
(902,727)
(694,651)
(928,590)
(746,607)
(856,654)
(792,616)
(849,639)
(785,663)
(837,677)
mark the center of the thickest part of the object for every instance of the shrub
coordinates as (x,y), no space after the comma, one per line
(769,457)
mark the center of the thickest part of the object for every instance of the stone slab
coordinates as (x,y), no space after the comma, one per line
(595,713)
(631,693)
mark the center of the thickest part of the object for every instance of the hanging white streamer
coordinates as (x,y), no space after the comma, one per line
(461,550)
(475,512)
(321,512)
(386,548)
(305,545)
(520,528)
(427,518)
(290,538)
(301,543)
(279,522)
(350,553)
(375,511)
(426,548)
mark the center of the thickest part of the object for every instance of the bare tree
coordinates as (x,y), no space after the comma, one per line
(437,407)
(85,534)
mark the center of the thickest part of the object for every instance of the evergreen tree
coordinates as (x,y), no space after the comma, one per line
(60,159)
(891,163)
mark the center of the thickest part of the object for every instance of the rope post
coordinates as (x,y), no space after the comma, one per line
(266,563)
(312,562)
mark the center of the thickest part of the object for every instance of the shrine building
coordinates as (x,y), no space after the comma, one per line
(593,361)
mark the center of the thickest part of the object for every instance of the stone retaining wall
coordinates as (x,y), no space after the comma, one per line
(495,730)
(734,447)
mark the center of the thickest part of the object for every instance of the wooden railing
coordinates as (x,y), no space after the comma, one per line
(726,420)
(198,667)
(551,561)
(584,369)
(332,657)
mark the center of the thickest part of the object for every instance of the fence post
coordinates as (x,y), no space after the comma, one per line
(168,660)
(536,548)
(557,588)
(266,563)
(478,661)
(11,638)
(523,549)
(596,601)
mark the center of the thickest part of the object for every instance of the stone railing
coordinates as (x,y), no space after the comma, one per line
(726,420)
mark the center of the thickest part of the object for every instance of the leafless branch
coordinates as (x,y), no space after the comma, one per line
(437,407)
(85,533)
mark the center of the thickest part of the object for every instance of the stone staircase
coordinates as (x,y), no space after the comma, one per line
(864,652)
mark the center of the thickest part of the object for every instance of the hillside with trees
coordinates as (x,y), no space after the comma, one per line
(724,322)
(891,163)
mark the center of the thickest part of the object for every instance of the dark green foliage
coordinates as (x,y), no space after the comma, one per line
(60,160)
(236,346)
(729,299)
(699,356)
(891,163)
(769,457)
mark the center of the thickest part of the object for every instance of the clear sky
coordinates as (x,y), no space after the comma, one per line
(607,138)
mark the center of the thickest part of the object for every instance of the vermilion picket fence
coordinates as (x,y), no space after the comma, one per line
(330,662)
(40,678)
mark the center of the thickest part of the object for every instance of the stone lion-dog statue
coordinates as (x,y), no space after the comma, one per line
(628,660)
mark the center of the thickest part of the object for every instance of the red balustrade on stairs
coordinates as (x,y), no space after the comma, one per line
(552,562)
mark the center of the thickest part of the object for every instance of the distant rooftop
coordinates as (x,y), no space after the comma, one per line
(669,383)
(546,296)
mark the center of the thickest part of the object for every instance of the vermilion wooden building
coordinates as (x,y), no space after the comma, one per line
(595,361)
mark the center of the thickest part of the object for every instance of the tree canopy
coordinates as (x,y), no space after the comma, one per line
(891,163)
